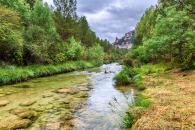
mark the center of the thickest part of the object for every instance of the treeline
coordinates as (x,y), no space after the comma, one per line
(166,33)
(31,32)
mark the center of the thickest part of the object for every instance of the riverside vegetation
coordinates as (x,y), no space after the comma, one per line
(161,64)
(37,40)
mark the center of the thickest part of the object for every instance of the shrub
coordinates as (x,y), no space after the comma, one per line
(128,120)
(11,40)
(73,49)
(95,53)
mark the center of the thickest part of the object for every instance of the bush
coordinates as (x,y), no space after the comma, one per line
(73,49)
(11,40)
(130,76)
(95,53)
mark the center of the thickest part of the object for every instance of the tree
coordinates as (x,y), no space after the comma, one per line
(172,39)
(66,7)
(144,28)
(40,35)
(20,6)
(11,40)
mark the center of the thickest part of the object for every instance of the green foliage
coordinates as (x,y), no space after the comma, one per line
(12,74)
(140,103)
(128,120)
(134,75)
(18,5)
(32,33)
(40,35)
(125,77)
(130,76)
(95,53)
(144,28)
(11,40)
(172,39)
(73,49)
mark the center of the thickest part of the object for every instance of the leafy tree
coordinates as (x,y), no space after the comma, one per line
(95,53)
(11,40)
(172,40)
(144,28)
(40,35)
(73,49)
(20,6)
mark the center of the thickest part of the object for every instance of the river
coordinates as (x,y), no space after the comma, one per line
(85,100)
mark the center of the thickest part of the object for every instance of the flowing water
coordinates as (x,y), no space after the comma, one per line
(85,100)
(106,105)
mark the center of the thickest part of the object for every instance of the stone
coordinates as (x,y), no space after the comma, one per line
(83,89)
(52,126)
(27,103)
(48,95)
(4,103)
(14,123)
(24,114)
(67,91)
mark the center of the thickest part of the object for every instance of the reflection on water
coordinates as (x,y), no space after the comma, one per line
(106,105)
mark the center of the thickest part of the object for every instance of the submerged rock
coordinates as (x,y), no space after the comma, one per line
(84,89)
(24,114)
(14,123)
(47,95)
(27,103)
(4,103)
(67,91)
(52,126)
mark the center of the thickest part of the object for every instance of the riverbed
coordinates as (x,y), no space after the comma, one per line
(84,100)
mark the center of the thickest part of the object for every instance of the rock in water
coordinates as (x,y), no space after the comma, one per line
(24,114)
(4,103)
(27,103)
(52,126)
(14,123)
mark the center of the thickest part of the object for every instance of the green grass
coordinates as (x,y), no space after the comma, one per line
(141,103)
(13,74)
(134,75)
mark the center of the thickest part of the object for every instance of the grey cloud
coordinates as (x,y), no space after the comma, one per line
(111,18)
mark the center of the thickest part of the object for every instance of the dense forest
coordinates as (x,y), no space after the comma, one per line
(166,33)
(32,32)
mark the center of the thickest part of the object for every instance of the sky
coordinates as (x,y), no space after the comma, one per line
(112,18)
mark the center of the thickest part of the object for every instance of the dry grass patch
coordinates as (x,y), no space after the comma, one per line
(173,97)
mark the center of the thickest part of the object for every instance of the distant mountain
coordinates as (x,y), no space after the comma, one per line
(126,41)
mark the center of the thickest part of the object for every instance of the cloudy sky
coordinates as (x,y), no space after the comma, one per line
(112,18)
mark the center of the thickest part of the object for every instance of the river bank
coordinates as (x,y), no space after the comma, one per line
(172,96)
(76,100)
(14,74)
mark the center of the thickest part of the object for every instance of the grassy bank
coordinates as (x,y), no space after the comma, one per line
(166,103)
(135,76)
(13,74)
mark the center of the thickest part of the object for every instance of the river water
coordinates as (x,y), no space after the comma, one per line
(106,105)
(86,100)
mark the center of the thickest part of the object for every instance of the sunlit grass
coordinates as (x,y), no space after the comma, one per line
(13,74)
